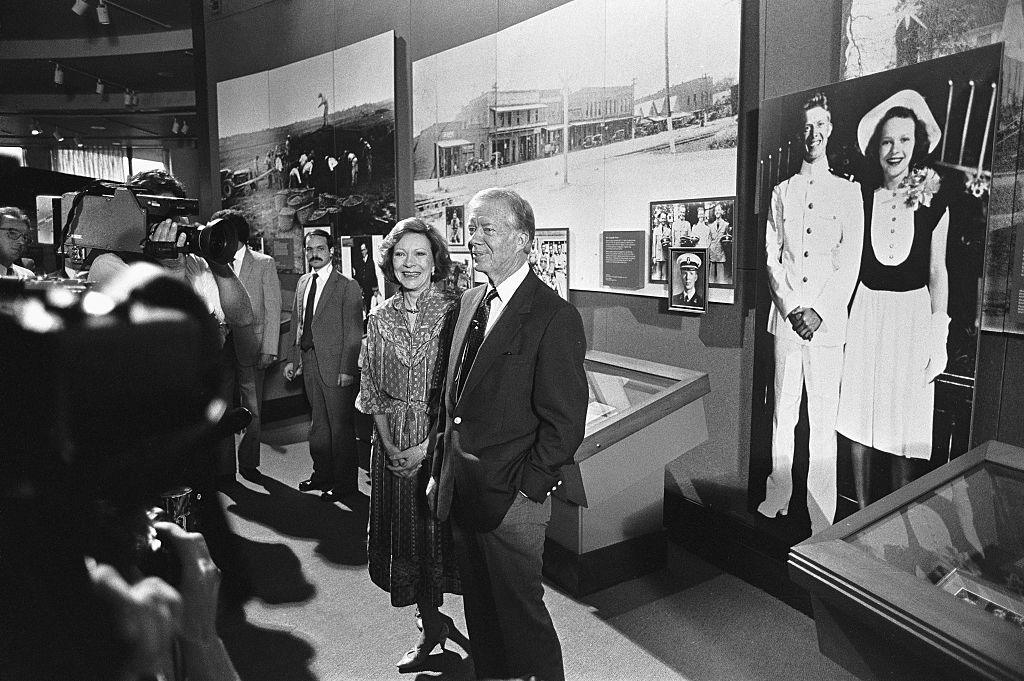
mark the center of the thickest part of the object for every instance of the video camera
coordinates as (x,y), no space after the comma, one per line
(113,217)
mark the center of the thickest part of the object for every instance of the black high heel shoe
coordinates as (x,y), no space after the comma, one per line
(415,660)
(454,633)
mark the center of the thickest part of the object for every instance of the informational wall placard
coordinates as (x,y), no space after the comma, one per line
(622,257)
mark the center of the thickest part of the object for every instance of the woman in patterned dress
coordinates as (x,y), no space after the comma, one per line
(403,365)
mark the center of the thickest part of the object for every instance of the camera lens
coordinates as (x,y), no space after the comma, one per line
(218,242)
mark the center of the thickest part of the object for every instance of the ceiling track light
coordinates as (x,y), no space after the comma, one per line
(80,7)
(184,127)
(36,130)
(57,136)
(103,13)
(127,97)
(100,86)
(175,127)
(78,142)
(58,74)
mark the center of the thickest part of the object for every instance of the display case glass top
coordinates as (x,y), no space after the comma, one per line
(612,394)
(965,536)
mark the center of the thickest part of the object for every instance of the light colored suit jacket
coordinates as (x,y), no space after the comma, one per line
(258,274)
(337,325)
(814,239)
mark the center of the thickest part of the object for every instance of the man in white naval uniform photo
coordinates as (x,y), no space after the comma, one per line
(813,242)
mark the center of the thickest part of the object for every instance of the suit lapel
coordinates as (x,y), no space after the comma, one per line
(504,330)
(469,304)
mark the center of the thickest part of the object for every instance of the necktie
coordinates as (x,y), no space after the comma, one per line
(474,338)
(306,341)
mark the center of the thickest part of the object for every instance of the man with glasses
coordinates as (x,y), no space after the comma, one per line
(328,314)
(14,237)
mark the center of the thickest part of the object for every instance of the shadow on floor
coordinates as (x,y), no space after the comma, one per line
(340,532)
(267,654)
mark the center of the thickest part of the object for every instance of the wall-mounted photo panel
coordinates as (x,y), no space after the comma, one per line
(701,223)
(455,226)
(312,144)
(574,110)
(873,199)
(879,34)
(688,279)
(549,259)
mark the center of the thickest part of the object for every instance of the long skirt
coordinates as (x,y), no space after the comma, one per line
(885,401)
(410,554)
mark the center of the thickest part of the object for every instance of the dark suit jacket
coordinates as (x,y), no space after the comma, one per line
(366,274)
(258,275)
(337,325)
(522,413)
(679,299)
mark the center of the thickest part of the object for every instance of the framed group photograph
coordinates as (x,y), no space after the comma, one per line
(549,259)
(696,223)
(688,280)
(455,225)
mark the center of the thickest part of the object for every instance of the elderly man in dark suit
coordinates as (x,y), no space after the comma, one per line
(258,274)
(328,313)
(513,413)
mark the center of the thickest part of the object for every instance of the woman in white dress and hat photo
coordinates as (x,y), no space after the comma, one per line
(896,338)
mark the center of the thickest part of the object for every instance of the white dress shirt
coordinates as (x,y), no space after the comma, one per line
(236,263)
(506,290)
(321,278)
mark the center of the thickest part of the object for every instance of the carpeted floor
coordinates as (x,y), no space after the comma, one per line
(316,615)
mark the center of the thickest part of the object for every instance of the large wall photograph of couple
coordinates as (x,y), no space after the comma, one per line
(872,206)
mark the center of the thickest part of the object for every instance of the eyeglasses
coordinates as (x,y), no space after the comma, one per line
(16,234)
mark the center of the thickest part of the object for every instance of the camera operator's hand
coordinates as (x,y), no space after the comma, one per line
(148,615)
(200,581)
(203,652)
(167,232)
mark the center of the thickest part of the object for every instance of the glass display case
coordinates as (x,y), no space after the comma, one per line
(606,521)
(928,582)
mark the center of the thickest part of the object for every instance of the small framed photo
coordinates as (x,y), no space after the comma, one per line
(455,225)
(461,276)
(549,259)
(688,280)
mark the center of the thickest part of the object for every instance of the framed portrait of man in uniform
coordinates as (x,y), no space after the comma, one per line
(688,281)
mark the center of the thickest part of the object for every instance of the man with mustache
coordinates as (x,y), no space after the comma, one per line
(813,242)
(328,313)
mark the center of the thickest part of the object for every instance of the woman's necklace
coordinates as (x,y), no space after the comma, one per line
(413,309)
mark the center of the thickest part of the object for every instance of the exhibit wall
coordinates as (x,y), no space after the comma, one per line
(311,144)
(785,47)
(591,110)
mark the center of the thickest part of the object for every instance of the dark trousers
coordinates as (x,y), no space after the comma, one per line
(332,434)
(510,630)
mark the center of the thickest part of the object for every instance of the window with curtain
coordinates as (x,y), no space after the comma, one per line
(104,163)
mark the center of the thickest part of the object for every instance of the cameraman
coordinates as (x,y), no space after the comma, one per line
(217,285)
